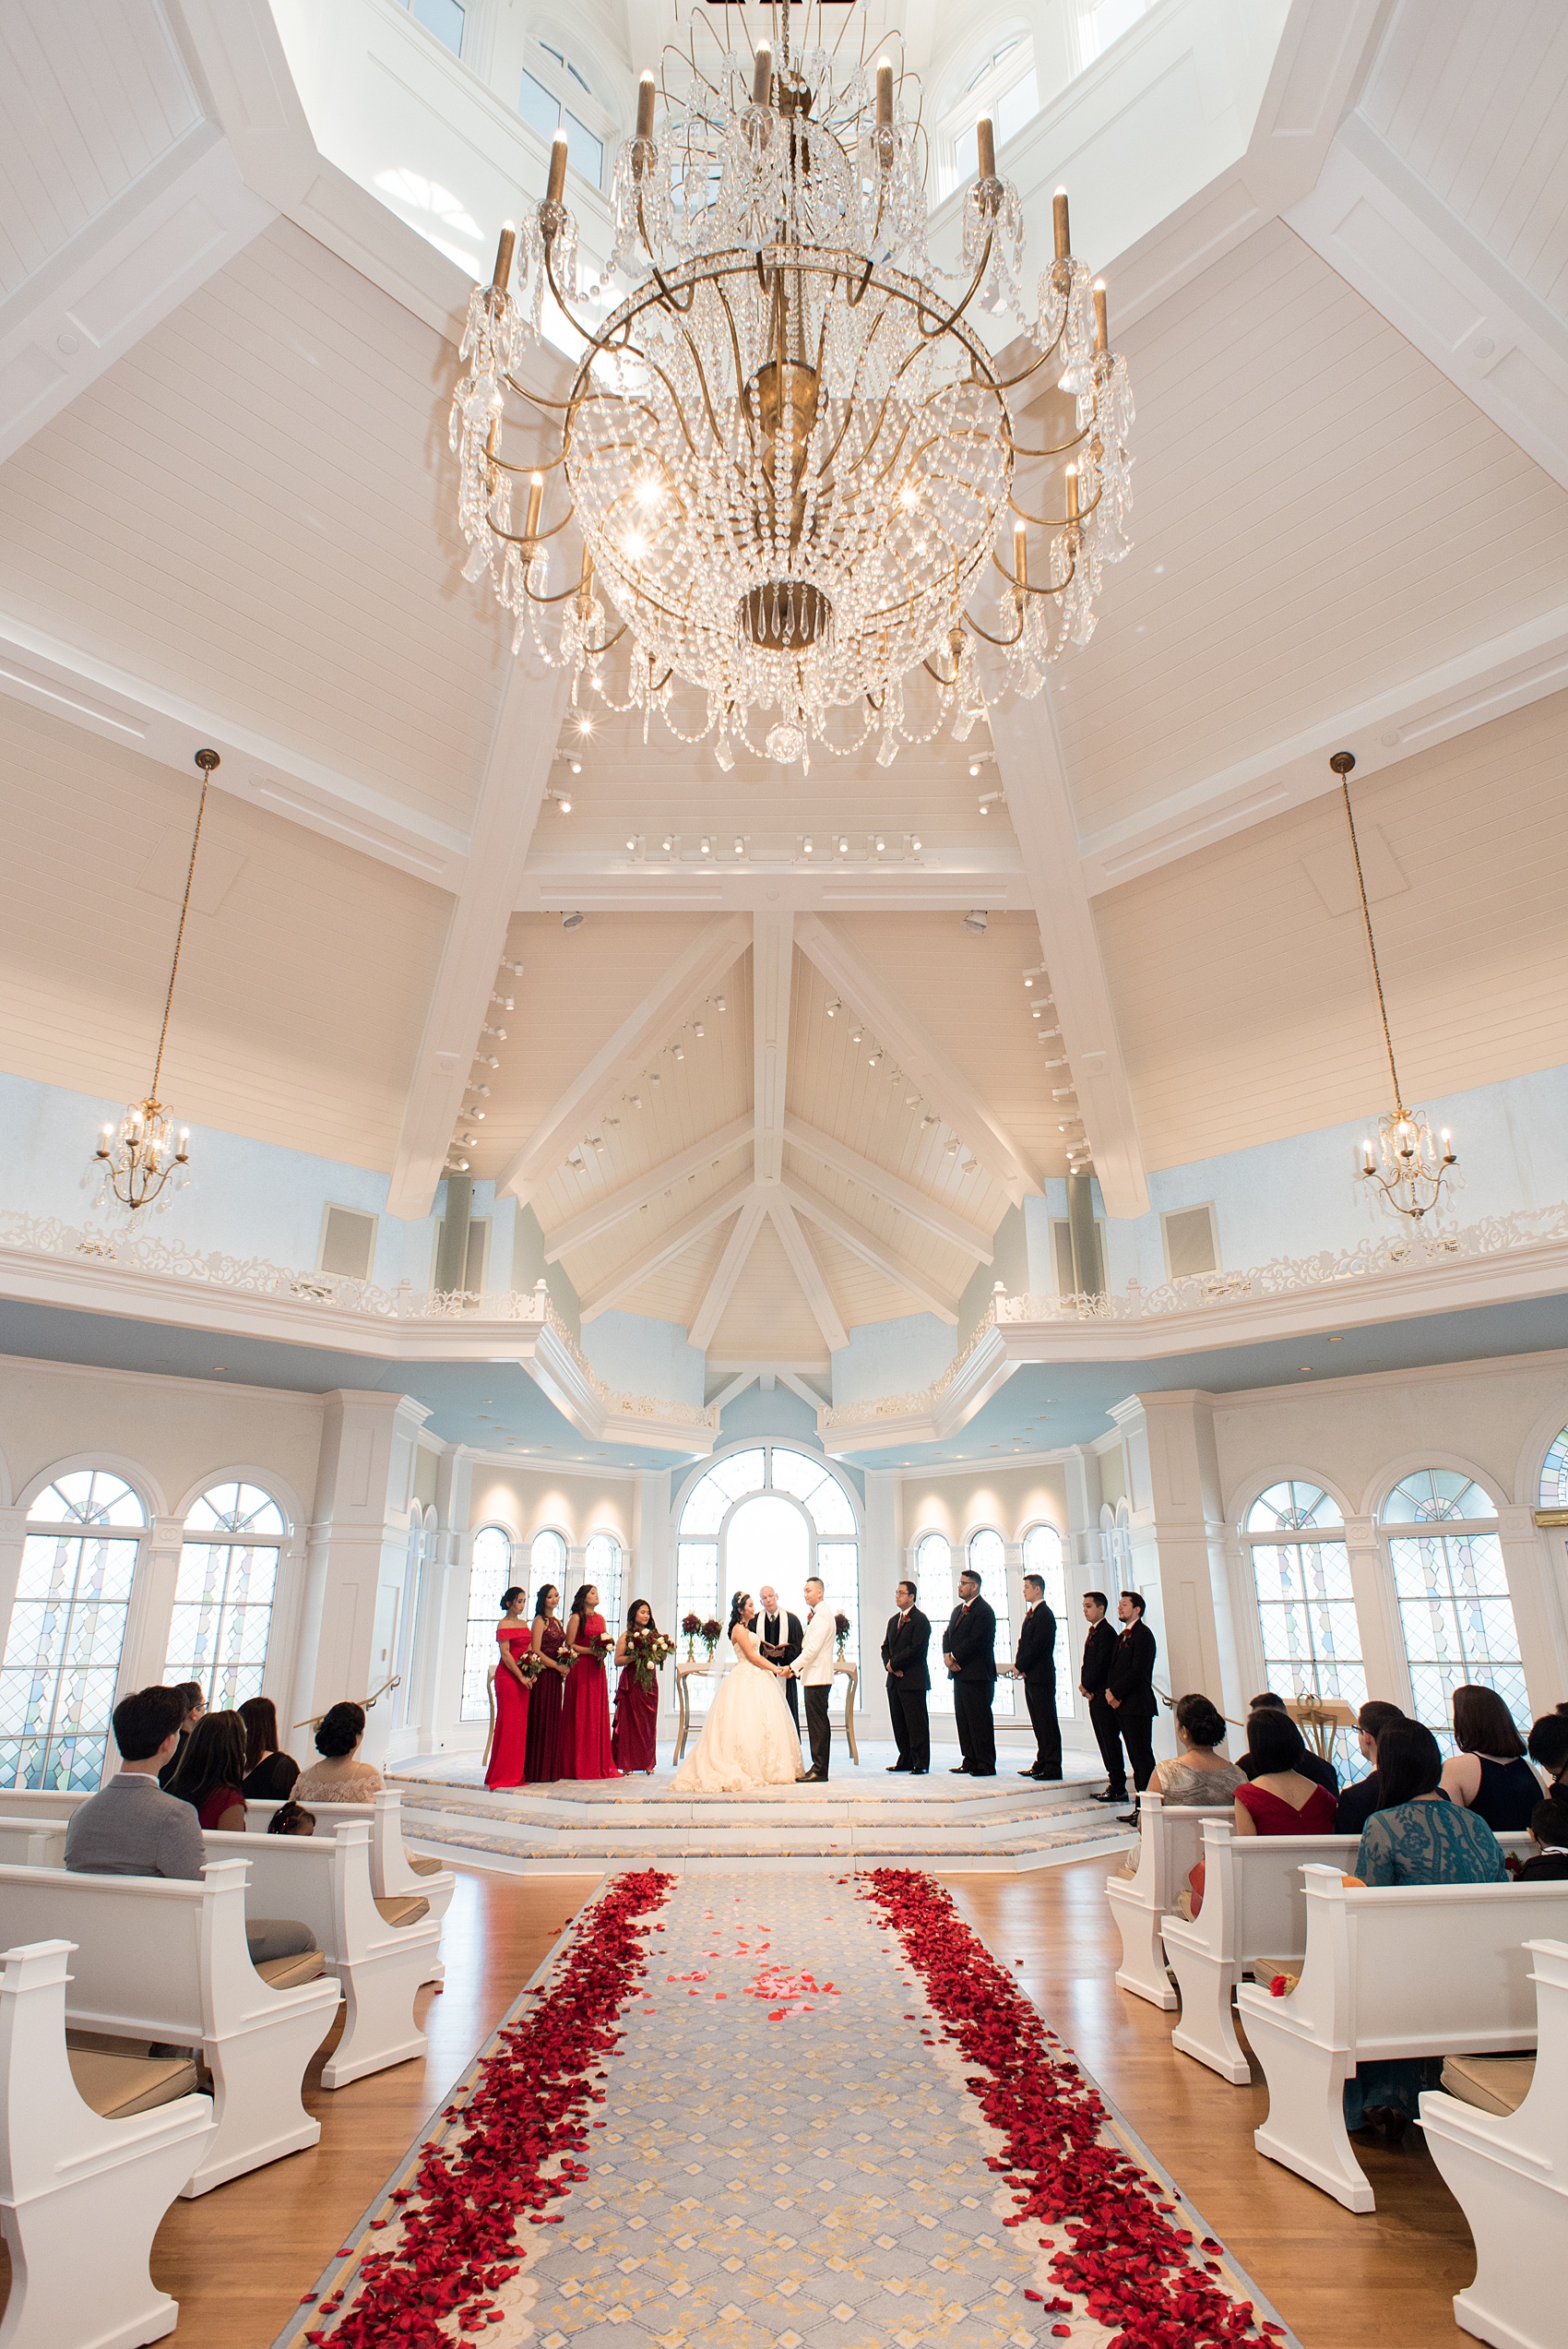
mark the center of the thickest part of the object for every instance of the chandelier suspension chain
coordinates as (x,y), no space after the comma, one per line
(1371,942)
(206,760)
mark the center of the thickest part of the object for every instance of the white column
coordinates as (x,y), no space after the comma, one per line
(1377,1615)
(1536,1585)
(442,1621)
(652,1564)
(883,1567)
(152,1605)
(13,1534)
(358,1554)
(1082,1569)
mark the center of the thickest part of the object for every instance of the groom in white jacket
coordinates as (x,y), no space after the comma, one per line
(814,1668)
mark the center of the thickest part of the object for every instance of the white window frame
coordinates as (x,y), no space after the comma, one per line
(465,43)
(558,66)
(1330,1534)
(1003,1702)
(1446,1529)
(1066,1693)
(611,1602)
(719,1539)
(58,1530)
(205,1538)
(470,1708)
(941,1697)
(1010,62)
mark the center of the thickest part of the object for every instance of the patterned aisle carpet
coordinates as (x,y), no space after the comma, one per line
(786,2154)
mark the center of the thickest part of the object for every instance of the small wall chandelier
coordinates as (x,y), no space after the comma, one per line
(789,455)
(139,1157)
(1409,1165)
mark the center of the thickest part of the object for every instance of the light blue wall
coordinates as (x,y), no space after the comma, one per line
(885,1357)
(645,1357)
(778,1418)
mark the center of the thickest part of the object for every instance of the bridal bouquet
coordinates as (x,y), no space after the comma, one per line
(648,1649)
(529,1665)
(840,1632)
(601,1646)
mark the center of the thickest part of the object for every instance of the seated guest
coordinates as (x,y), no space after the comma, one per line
(1548,1747)
(1280,1799)
(193,1704)
(291,1818)
(1199,1774)
(269,1775)
(1320,1773)
(1549,1832)
(1416,1838)
(209,1772)
(1489,1774)
(132,1827)
(337,1777)
(1357,1802)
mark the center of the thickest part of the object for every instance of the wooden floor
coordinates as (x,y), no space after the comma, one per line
(1340,2281)
(238,2260)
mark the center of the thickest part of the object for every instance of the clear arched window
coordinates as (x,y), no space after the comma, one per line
(1002,84)
(443,18)
(767,1515)
(1454,1609)
(935,1584)
(559,91)
(223,1593)
(67,1627)
(1042,1556)
(604,1565)
(490,1573)
(1294,1535)
(988,1558)
(1554,1474)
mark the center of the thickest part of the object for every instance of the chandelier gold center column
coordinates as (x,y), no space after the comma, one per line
(788,452)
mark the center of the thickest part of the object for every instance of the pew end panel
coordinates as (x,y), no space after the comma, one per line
(81,2198)
(391,1877)
(1169,1846)
(1391,1972)
(1509,2174)
(33,1842)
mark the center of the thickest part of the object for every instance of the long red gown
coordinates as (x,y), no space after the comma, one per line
(585,1715)
(543,1762)
(634,1740)
(508,1749)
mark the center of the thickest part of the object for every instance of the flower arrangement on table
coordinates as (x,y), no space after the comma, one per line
(647,1650)
(841,1629)
(711,1633)
(691,1628)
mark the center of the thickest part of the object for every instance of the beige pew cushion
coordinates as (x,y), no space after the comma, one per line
(403,1908)
(421,1866)
(118,2086)
(287,1974)
(1493,2084)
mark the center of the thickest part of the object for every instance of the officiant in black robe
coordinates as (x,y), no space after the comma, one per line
(782,1640)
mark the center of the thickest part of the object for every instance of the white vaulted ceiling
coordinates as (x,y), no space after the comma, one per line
(241,528)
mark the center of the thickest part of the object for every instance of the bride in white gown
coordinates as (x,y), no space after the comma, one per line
(748,1739)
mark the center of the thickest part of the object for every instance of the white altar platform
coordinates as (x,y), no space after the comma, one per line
(863,1816)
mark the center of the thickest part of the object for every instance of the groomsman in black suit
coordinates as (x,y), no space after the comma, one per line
(781,1638)
(1035,1665)
(1099,1649)
(904,1646)
(968,1650)
(1129,1688)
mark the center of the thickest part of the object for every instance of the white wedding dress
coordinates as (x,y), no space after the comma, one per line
(748,1739)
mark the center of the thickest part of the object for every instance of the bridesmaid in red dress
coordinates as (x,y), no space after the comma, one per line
(543,1758)
(508,1747)
(635,1738)
(584,1711)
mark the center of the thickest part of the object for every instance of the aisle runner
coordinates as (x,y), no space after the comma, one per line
(787,2154)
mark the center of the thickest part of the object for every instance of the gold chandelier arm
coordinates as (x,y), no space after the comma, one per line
(575,589)
(1005,643)
(659,276)
(531,538)
(1061,522)
(590,335)
(934,334)
(1059,448)
(1024,586)
(849,402)
(1011,383)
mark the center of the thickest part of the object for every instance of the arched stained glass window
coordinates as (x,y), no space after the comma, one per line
(1311,1636)
(1454,1609)
(67,1627)
(1554,1474)
(1042,1556)
(489,1575)
(771,1514)
(224,1592)
(934,1583)
(988,1557)
(604,1565)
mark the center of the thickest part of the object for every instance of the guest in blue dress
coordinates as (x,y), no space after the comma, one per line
(1417,1837)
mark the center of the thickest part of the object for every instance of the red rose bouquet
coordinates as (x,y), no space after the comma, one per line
(691,1627)
(841,1628)
(647,1650)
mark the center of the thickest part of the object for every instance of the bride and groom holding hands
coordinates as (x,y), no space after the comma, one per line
(749,1738)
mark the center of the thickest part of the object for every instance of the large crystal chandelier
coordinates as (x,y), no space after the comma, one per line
(1409,1165)
(788,452)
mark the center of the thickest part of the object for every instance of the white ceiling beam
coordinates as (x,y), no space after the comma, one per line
(620,1061)
(74,686)
(655,1254)
(736,1385)
(1028,761)
(1386,231)
(527,726)
(728,1270)
(892,1189)
(809,1273)
(871,1251)
(147,251)
(1486,681)
(947,1090)
(609,880)
(602,1215)
(773,959)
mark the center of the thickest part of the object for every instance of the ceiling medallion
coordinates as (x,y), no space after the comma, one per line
(1409,1165)
(789,455)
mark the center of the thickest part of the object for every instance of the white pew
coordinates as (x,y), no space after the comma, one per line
(1169,1847)
(392,1879)
(1254,1906)
(33,1842)
(161,1959)
(1509,2174)
(81,2198)
(323,1880)
(1391,1970)
(38,1802)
